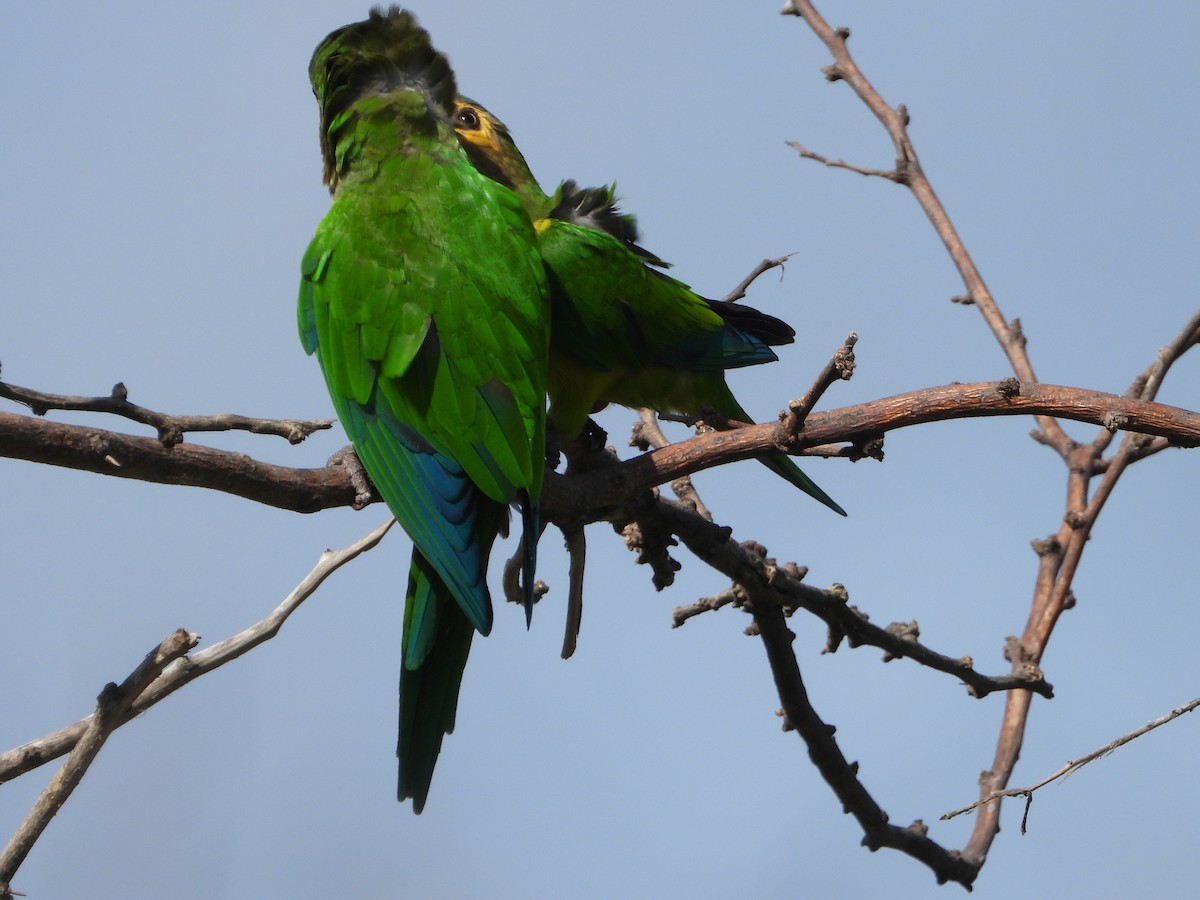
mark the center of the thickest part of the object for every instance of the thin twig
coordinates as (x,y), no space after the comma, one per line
(839,368)
(889,174)
(1074,765)
(680,614)
(171,429)
(648,433)
(36,753)
(112,708)
(1146,385)
(765,266)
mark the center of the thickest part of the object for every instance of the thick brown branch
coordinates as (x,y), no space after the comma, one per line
(146,459)
(608,486)
(590,495)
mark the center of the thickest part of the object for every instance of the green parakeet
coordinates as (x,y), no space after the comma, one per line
(425,299)
(623,332)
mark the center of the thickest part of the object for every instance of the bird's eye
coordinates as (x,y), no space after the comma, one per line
(467,118)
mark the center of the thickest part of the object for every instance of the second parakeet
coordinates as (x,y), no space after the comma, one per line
(624,332)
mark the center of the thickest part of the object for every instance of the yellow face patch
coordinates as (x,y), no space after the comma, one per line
(477,126)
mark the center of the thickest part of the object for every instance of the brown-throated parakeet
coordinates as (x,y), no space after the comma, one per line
(425,299)
(623,332)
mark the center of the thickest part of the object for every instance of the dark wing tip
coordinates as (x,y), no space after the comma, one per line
(748,320)
(596,208)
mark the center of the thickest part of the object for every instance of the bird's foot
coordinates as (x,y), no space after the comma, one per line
(364,490)
(587,450)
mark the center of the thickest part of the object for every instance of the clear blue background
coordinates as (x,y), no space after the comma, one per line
(161,178)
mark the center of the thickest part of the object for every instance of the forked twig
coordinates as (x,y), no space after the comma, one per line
(112,709)
(1060,556)
(1074,765)
(36,753)
(908,172)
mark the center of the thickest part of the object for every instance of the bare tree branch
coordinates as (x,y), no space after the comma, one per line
(908,172)
(36,753)
(842,775)
(171,429)
(768,581)
(733,595)
(765,266)
(759,580)
(840,367)
(112,709)
(607,487)
(890,174)
(146,459)
(1059,559)
(1074,765)
(589,492)
(1060,555)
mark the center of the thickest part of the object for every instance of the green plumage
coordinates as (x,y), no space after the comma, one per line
(622,331)
(424,297)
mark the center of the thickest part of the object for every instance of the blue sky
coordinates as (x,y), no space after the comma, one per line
(162,178)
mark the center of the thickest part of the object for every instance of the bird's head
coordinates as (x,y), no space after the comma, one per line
(382,68)
(490,146)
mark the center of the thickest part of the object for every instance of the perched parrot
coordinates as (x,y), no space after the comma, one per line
(621,331)
(424,297)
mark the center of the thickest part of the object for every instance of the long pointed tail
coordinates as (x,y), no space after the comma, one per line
(531,524)
(437,641)
(779,463)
